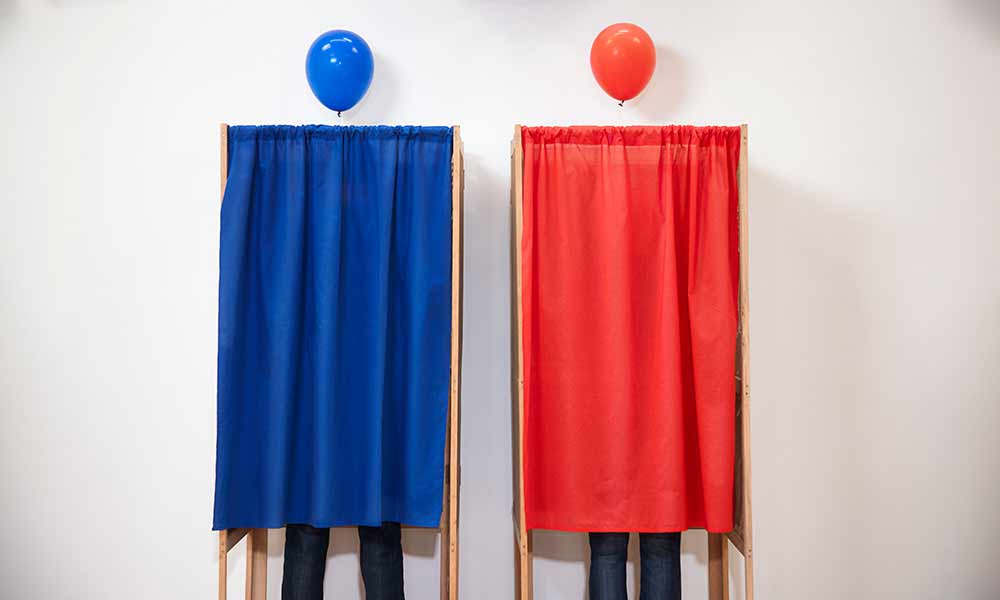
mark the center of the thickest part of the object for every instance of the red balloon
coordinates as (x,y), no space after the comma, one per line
(623,58)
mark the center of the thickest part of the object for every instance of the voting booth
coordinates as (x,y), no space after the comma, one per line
(630,343)
(339,335)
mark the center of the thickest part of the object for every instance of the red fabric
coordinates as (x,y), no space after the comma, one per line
(630,287)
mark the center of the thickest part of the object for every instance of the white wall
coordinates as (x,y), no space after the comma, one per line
(875,275)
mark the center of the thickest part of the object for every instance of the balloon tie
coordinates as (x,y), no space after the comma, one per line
(622,103)
(338,114)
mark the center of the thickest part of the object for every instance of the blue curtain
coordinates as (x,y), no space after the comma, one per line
(334,326)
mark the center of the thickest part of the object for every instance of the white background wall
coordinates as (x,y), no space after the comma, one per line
(875,273)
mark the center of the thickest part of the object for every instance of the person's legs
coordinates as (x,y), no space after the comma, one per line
(382,562)
(608,552)
(660,556)
(305,562)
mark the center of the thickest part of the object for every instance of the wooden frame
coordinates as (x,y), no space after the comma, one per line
(256,572)
(741,537)
(523,543)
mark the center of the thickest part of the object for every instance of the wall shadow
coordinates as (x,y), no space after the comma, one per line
(821,274)
(532,6)
(565,546)
(665,92)
(8,15)
(381,98)
(421,542)
(984,14)
(72,3)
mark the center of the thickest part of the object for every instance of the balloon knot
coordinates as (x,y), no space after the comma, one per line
(622,103)
(338,114)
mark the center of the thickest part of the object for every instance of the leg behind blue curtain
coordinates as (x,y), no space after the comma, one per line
(382,561)
(305,562)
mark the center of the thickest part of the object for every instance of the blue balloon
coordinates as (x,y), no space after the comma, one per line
(339,68)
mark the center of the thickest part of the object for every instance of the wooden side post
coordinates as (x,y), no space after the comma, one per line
(718,566)
(743,366)
(223,564)
(523,580)
(449,517)
(256,582)
(741,536)
(224,544)
(256,586)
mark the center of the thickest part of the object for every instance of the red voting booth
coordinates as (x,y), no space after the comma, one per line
(630,336)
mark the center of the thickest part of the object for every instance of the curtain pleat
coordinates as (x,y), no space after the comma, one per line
(630,291)
(334,326)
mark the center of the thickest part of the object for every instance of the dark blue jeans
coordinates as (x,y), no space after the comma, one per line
(660,558)
(305,562)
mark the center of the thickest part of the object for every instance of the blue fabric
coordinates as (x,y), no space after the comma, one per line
(334,326)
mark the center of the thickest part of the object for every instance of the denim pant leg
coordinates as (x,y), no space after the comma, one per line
(660,555)
(382,562)
(305,562)
(608,553)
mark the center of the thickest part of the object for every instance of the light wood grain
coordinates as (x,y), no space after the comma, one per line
(736,537)
(718,567)
(256,585)
(741,536)
(223,564)
(224,538)
(445,538)
(449,529)
(223,157)
(233,537)
(744,382)
(522,538)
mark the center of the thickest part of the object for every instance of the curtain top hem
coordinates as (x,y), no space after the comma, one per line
(636,135)
(251,132)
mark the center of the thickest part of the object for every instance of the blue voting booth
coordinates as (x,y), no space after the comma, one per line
(339,334)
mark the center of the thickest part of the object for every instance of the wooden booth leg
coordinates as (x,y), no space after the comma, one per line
(256,584)
(449,526)
(256,581)
(453,474)
(745,513)
(445,549)
(523,575)
(256,564)
(718,567)
(523,580)
(223,565)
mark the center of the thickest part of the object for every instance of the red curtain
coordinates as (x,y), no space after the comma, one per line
(630,287)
